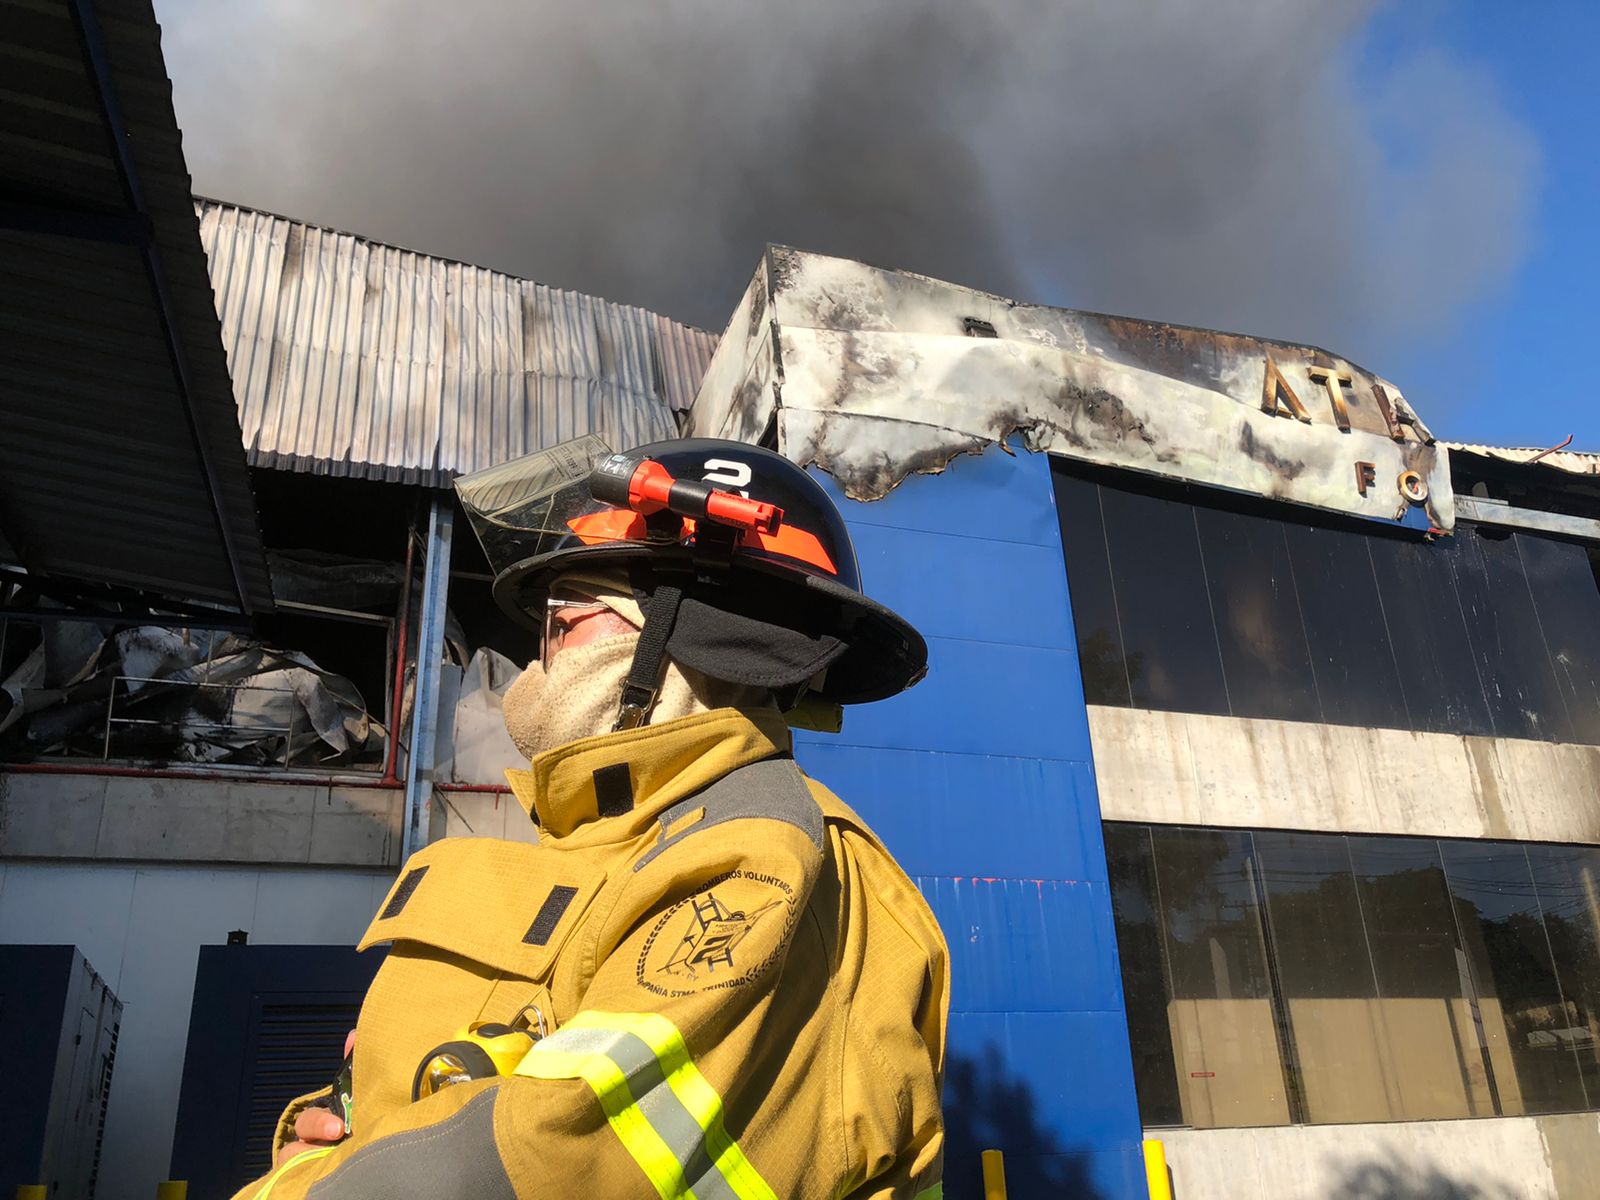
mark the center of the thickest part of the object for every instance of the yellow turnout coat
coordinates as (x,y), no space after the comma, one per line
(744,996)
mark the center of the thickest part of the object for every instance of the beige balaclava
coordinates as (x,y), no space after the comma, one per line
(578,696)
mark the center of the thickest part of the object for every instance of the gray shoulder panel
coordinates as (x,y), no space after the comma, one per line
(456,1157)
(773,788)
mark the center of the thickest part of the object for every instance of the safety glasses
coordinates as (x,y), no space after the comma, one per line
(562,615)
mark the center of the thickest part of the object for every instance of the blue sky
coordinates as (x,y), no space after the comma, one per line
(1519,367)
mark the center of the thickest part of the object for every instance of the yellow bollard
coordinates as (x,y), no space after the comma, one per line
(994,1175)
(1155,1170)
(32,1191)
(173,1189)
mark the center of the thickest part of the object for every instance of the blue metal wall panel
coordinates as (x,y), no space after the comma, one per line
(1068,1065)
(983,698)
(1018,505)
(969,606)
(981,781)
(903,794)
(1037,945)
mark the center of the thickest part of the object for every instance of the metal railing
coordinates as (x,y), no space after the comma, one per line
(256,730)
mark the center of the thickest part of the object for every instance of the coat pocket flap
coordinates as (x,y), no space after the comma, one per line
(508,905)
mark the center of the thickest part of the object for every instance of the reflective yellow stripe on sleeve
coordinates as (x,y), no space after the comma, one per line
(610,1085)
(666,1113)
(700,1098)
(304,1156)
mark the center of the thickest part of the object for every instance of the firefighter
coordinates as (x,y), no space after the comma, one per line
(708,977)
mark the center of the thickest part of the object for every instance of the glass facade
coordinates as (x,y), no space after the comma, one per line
(1280,978)
(1190,600)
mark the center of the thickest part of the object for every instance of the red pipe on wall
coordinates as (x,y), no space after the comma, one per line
(175,773)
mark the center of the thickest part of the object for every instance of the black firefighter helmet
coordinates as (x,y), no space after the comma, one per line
(742,562)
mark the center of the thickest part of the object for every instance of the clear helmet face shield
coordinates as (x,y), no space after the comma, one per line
(534,504)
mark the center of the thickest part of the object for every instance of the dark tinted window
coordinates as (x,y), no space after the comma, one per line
(1567,882)
(1169,639)
(1198,601)
(1439,672)
(1519,680)
(1258,617)
(1406,907)
(1275,976)
(1220,1010)
(1428,1028)
(1145,982)
(1560,578)
(1094,606)
(1324,974)
(1350,652)
(1517,993)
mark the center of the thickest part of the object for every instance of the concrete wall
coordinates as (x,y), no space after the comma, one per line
(60,815)
(1192,769)
(1512,1158)
(480,814)
(141,928)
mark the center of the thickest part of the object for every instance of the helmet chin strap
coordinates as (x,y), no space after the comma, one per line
(644,677)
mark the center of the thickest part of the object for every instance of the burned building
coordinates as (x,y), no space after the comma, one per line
(1255,777)
(1253,782)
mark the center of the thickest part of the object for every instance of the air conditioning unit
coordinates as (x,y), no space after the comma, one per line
(58,1041)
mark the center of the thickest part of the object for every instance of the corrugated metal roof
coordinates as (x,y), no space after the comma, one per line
(1577,462)
(120,460)
(351,357)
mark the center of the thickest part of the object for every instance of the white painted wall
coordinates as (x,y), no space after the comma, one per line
(141,927)
(1511,1158)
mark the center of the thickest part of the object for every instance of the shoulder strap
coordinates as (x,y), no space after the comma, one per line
(644,677)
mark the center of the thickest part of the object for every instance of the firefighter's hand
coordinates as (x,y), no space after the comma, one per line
(315,1127)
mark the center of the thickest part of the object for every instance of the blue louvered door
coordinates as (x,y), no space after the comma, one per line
(268,1024)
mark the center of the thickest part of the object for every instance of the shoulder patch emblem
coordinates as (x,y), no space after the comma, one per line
(724,935)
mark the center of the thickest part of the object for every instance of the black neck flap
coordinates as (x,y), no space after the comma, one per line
(740,647)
